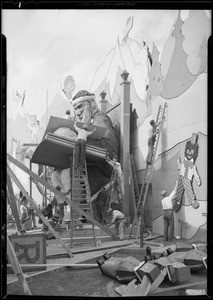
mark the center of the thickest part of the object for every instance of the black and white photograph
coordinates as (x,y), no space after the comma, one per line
(106,128)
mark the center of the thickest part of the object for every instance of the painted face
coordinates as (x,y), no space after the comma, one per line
(83,111)
(189,153)
(79,109)
(191,150)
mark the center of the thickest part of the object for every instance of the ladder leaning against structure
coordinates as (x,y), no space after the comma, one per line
(109,196)
(139,216)
(80,195)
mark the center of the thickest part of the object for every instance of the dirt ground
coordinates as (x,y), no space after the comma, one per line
(91,282)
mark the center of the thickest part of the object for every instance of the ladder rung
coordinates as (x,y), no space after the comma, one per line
(79,180)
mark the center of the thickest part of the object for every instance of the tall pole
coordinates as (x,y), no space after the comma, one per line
(45,172)
(46,106)
(125,137)
(30,180)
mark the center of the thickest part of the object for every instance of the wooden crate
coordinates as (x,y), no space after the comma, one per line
(30,248)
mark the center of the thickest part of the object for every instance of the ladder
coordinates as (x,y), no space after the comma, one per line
(138,218)
(80,195)
(109,196)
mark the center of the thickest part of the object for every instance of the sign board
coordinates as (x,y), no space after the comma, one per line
(30,248)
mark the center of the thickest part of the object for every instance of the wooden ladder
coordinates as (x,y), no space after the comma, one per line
(139,216)
(109,196)
(80,195)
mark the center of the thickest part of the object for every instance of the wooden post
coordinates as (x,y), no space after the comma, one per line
(125,137)
(72,166)
(45,189)
(30,180)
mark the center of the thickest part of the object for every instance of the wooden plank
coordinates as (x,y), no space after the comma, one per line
(182,286)
(16,268)
(40,215)
(30,144)
(60,195)
(13,204)
(74,266)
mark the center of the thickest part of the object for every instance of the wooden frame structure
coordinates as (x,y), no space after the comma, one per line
(11,199)
(56,192)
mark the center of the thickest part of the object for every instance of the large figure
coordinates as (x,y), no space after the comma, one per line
(187,170)
(87,111)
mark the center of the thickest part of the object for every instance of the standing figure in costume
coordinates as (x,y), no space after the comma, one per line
(81,144)
(151,141)
(187,170)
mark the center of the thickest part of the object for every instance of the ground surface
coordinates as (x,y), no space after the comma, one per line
(91,282)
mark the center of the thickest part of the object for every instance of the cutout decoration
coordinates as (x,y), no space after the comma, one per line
(187,170)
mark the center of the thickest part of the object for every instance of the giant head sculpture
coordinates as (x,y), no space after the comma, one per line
(86,110)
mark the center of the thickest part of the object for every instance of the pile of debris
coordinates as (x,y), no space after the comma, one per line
(140,278)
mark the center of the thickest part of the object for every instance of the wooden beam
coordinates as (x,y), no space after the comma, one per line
(73,266)
(116,105)
(40,215)
(13,204)
(30,144)
(57,193)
